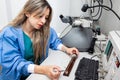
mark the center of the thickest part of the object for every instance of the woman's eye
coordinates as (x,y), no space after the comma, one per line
(40,16)
(46,18)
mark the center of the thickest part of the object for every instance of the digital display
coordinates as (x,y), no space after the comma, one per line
(108,49)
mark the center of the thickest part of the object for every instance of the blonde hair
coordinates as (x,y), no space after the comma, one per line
(40,36)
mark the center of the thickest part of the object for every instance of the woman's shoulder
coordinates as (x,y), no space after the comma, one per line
(10,28)
(9,31)
(52,30)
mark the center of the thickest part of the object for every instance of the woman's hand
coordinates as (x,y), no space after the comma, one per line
(52,71)
(71,51)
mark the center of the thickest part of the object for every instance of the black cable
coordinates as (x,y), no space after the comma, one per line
(93,56)
(111,4)
(107,8)
(98,10)
(98,16)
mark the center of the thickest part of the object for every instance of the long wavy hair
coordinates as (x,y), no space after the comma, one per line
(40,37)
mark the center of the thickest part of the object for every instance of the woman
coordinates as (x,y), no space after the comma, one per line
(24,43)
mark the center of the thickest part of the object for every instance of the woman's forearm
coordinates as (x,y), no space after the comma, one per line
(39,69)
(64,48)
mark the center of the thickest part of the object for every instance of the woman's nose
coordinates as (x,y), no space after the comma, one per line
(43,20)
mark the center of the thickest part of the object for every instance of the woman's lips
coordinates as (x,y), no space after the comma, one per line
(40,25)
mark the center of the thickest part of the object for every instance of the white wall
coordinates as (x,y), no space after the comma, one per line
(3,13)
(108,20)
(75,8)
(16,6)
(9,9)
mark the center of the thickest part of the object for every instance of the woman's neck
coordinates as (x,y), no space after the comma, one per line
(27,28)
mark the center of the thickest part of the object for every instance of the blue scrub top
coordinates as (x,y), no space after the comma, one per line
(12,52)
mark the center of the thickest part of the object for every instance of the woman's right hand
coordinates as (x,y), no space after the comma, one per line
(52,71)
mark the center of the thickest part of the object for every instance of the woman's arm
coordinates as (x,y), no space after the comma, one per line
(69,51)
(53,72)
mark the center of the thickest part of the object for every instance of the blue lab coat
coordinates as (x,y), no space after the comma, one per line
(12,52)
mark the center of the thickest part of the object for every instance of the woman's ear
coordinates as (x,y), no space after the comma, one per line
(27,14)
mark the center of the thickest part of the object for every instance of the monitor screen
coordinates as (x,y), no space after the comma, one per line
(108,49)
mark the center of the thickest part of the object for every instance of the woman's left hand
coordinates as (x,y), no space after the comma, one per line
(72,50)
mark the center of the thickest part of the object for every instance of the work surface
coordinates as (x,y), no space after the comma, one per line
(60,59)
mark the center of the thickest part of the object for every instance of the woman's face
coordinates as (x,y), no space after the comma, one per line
(38,21)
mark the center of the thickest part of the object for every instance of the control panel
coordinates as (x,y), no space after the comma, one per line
(111,57)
